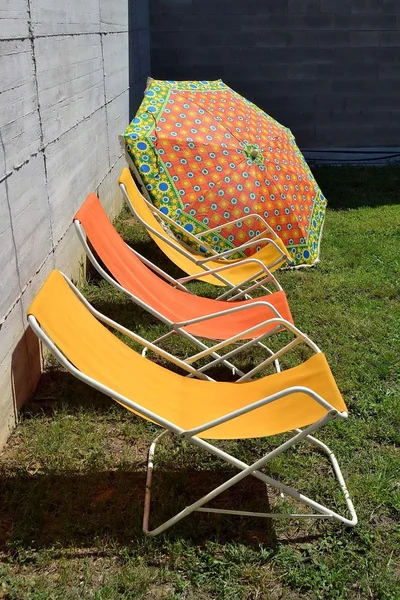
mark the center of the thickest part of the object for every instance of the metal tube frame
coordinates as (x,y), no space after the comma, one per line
(179,248)
(179,327)
(245,469)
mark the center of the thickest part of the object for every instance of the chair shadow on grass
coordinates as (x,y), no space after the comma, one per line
(80,510)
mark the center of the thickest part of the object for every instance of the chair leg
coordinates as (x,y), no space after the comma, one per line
(246,470)
(337,471)
(149,476)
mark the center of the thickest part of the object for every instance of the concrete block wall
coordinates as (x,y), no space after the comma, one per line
(328,69)
(64,100)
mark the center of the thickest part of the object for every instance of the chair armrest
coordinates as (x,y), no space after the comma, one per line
(244,246)
(331,410)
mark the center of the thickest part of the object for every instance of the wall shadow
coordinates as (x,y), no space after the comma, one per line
(355,187)
(25,368)
(78,510)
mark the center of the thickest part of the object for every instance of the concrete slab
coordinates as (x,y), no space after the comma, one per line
(116,73)
(50,17)
(13,19)
(76,164)
(9,280)
(114,15)
(30,218)
(70,81)
(117,119)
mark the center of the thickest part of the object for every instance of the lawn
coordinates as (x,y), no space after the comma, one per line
(72,474)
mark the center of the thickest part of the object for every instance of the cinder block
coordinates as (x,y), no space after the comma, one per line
(207,23)
(303,71)
(117,120)
(354,86)
(287,22)
(51,17)
(70,81)
(116,72)
(378,118)
(390,7)
(272,7)
(176,7)
(304,135)
(390,38)
(366,6)
(263,72)
(271,39)
(381,55)
(335,6)
(14,19)
(164,22)
(76,163)
(330,101)
(378,102)
(365,38)
(241,7)
(365,22)
(30,217)
(333,39)
(345,136)
(388,70)
(303,39)
(205,7)
(395,118)
(172,56)
(304,6)
(114,16)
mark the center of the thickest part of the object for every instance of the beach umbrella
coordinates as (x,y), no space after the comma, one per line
(207,156)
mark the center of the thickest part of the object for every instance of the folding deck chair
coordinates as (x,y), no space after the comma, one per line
(217,268)
(242,321)
(299,400)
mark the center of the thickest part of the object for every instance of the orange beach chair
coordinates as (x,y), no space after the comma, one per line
(247,321)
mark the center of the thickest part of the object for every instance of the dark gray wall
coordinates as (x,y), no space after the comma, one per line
(139,51)
(328,69)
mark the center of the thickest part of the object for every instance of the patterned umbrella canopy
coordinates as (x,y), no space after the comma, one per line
(208,156)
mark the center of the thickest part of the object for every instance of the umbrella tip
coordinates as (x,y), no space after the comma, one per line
(254,153)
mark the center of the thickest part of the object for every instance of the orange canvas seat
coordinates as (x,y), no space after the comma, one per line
(304,396)
(272,255)
(173,304)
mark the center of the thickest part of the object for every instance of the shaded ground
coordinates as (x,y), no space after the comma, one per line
(72,475)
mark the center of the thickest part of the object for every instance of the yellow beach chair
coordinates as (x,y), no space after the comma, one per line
(299,400)
(216,269)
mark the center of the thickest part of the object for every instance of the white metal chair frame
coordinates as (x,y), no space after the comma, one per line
(201,261)
(192,436)
(213,351)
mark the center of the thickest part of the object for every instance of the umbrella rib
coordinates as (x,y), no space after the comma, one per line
(215,119)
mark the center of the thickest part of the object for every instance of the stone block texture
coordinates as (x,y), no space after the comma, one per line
(65,90)
(328,69)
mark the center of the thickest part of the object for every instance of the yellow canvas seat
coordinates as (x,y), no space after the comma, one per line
(235,271)
(303,396)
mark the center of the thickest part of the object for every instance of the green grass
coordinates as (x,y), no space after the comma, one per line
(72,474)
